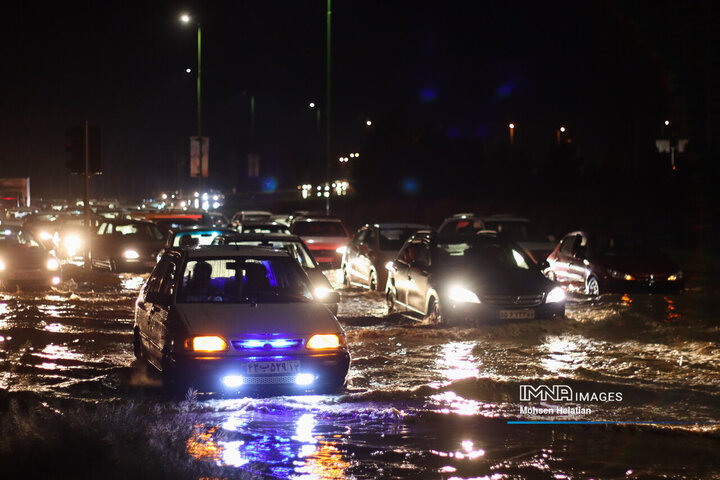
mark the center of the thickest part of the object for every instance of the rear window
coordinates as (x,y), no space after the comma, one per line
(319,229)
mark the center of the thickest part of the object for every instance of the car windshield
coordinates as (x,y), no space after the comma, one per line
(394,238)
(608,246)
(515,231)
(244,280)
(264,228)
(482,254)
(296,249)
(140,231)
(319,229)
(9,238)
(196,237)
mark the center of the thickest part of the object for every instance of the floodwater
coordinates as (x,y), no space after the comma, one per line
(421,402)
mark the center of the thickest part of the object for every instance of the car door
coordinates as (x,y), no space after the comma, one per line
(401,272)
(577,263)
(148,327)
(365,255)
(353,252)
(561,261)
(143,309)
(418,276)
(160,327)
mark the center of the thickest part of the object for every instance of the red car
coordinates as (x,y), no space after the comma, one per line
(594,264)
(326,238)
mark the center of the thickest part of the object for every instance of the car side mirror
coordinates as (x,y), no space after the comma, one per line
(331,298)
(157,298)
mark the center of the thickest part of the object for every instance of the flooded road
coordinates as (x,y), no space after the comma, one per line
(421,402)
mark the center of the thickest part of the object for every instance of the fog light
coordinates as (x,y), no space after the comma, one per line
(304,378)
(56,280)
(232,381)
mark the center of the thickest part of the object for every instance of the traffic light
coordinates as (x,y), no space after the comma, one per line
(75,148)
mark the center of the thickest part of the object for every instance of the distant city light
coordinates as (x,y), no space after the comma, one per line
(368,123)
(312,104)
(185,18)
(188,70)
(667,123)
(512,125)
(562,129)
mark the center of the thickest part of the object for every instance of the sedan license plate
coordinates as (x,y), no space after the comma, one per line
(516,314)
(263,368)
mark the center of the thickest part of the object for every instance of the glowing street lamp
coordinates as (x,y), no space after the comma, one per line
(185,18)
(560,131)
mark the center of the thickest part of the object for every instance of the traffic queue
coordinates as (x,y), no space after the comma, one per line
(245,304)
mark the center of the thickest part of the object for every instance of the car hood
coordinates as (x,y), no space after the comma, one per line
(538,250)
(237,319)
(496,281)
(639,265)
(141,246)
(23,255)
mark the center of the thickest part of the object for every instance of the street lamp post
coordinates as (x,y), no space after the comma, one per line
(185,18)
(512,133)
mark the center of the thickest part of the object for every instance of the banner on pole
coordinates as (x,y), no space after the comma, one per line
(198,166)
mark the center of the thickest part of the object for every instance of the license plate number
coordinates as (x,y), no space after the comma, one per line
(517,314)
(261,368)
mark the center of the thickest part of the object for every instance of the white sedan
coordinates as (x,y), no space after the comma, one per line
(233,318)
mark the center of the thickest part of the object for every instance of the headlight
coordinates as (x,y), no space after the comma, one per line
(463,295)
(53,264)
(321,292)
(318,342)
(72,243)
(556,295)
(206,344)
(2,265)
(131,254)
(341,250)
(676,276)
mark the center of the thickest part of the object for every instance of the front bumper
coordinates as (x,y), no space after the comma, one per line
(31,278)
(474,313)
(329,369)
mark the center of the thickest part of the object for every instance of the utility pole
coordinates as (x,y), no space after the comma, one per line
(328,116)
(86,198)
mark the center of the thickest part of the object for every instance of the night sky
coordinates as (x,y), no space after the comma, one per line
(432,76)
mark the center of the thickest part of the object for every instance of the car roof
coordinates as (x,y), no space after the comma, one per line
(401,225)
(213,251)
(317,219)
(252,237)
(201,228)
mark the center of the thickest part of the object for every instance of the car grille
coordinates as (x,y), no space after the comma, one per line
(267,345)
(514,300)
(275,380)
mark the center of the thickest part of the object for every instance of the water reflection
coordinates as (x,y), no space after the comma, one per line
(456,361)
(564,354)
(670,312)
(283,447)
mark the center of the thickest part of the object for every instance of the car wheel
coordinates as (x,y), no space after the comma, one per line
(138,349)
(592,287)
(434,314)
(372,282)
(346,278)
(390,300)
